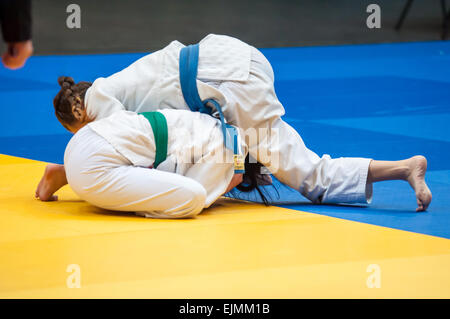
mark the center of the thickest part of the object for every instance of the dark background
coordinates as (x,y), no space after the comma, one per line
(140,25)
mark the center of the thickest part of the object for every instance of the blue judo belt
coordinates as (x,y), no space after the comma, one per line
(188,81)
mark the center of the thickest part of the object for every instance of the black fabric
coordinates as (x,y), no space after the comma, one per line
(15,19)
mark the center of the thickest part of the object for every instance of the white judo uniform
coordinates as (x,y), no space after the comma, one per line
(107,163)
(241,79)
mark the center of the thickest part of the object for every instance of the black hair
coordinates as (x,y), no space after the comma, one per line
(250,180)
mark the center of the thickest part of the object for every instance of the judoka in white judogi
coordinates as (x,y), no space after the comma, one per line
(241,79)
(108,163)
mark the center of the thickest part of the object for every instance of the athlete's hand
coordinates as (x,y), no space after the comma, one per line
(53,179)
(17,54)
(235,181)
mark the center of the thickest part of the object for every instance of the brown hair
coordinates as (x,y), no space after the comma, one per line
(67,97)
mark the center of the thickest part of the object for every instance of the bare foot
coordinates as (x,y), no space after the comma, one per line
(54,178)
(416,178)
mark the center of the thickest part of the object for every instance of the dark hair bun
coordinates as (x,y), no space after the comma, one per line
(66,82)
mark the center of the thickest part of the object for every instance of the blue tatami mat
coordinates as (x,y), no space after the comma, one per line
(387,102)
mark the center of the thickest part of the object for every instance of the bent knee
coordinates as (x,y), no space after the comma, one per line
(191,203)
(188,202)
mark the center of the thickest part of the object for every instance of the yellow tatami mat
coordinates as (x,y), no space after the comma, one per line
(233,250)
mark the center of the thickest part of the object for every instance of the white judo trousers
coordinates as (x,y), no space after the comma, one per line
(107,164)
(241,79)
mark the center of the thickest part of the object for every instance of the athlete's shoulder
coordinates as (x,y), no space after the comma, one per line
(224,58)
(120,125)
(99,84)
(117,118)
(222,38)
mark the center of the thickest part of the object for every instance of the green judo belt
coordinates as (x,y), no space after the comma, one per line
(188,80)
(159,127)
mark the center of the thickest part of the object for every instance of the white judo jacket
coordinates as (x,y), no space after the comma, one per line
(241,79)
(152,82)
(109,164)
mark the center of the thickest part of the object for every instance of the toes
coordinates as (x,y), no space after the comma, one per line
(420,206)
(425,205)
(49,199)
(426,200)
